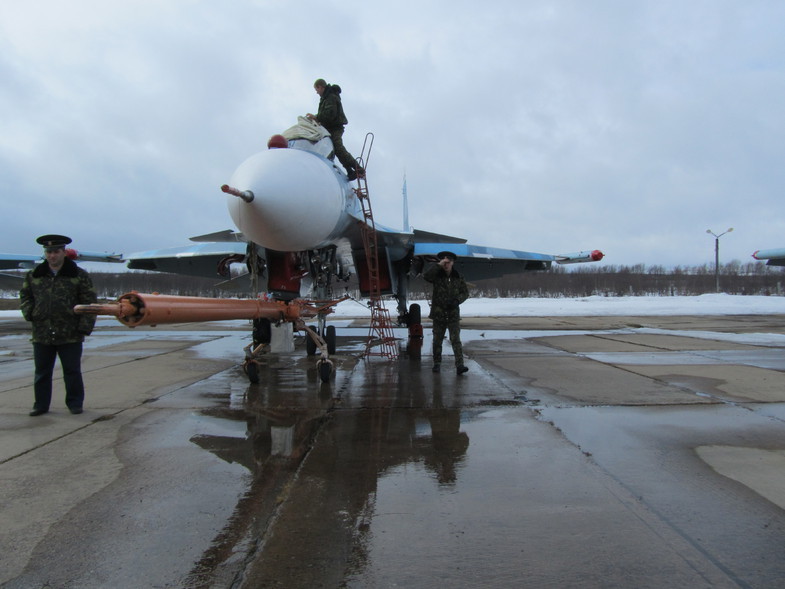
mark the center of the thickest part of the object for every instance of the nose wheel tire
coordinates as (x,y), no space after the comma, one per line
(310,345)
(329,338)
(262,331)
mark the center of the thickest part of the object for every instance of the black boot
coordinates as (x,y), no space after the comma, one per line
(351,174)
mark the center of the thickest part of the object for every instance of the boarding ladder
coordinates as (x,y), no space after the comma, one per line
(381,339)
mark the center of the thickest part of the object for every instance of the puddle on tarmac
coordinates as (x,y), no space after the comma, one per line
(761,358)
(381,426)
(387,419)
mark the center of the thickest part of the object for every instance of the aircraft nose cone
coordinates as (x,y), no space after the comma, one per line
(298,201)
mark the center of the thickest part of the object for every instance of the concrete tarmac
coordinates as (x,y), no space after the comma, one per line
(576,452)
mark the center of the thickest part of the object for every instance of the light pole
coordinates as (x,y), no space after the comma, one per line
(717,255)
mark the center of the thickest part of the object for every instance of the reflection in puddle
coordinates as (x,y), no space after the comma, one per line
(282,440)
(359,447)
(376,417)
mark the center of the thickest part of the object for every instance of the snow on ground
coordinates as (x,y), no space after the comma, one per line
(709,304)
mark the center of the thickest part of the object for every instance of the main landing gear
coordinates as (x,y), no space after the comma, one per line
(413,320)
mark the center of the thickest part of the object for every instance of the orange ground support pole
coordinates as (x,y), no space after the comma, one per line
(134,309)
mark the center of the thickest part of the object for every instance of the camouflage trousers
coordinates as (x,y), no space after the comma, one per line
(343,155)
(439,329)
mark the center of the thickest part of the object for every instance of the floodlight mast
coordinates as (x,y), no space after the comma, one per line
(717,255)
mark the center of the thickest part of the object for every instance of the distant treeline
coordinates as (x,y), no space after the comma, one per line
(753,278)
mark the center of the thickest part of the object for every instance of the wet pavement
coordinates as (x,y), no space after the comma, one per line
(599,452)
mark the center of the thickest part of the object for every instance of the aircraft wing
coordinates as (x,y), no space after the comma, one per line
(227,235)
(212,259)
(204,259)
(420,236)
(28,262)
(18,261)
(477,262)
(773,257)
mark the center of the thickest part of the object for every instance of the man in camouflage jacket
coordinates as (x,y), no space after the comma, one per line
(331,116)
(449,291)
(48,296)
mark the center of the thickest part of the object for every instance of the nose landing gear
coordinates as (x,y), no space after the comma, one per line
(325,343)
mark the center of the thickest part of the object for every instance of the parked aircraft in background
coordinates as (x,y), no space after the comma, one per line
(28,262)
(773,257)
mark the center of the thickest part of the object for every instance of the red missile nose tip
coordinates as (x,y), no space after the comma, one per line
(597,255)
(71,253)
(277,141)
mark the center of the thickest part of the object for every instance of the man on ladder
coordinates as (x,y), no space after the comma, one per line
(331,116)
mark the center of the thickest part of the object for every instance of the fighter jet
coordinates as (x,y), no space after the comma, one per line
(301,229)
(303,222)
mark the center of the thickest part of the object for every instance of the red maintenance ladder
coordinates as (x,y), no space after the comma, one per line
(381,339)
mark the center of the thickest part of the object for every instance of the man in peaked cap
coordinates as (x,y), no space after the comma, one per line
(48,296)
(449,291)
(53,241)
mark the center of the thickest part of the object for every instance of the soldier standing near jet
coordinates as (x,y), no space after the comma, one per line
(48,296)
(449,291)
(331,116)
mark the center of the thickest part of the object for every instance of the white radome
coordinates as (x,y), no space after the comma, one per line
(289,186)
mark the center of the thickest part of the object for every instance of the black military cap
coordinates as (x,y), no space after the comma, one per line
(57,241)
(450,255)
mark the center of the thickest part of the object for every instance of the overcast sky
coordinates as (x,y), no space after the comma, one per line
(631,126)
